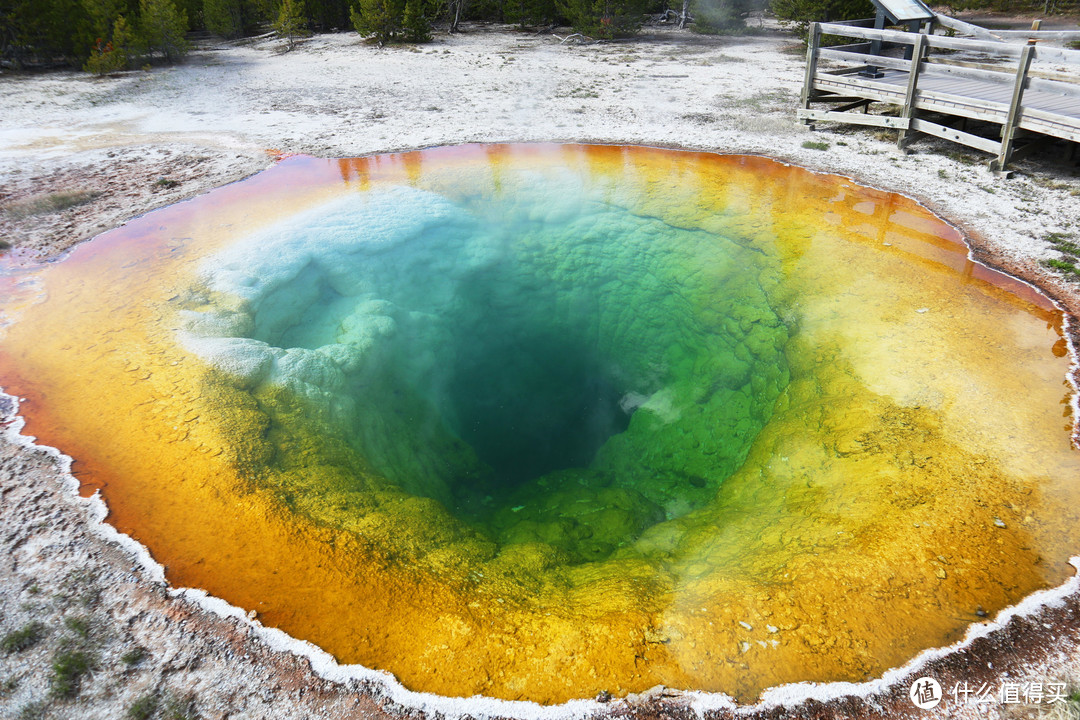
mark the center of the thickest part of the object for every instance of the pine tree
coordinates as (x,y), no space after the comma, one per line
(102,14)
(381,18)
(126,42)
(164,28)
(414,21)
(327,14)
(530,12)
(800,13)
(391,20)
(224,17)
(193,9)
(605,18)
(97,28)
(114,55)
(291,23)
(41,31)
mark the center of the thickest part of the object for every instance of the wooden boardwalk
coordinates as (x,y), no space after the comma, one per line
(1031,92)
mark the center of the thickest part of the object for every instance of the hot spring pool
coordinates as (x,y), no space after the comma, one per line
(539,421)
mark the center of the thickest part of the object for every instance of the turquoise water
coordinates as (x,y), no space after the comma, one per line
(550,365)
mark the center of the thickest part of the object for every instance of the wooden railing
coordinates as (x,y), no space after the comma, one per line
(975,89)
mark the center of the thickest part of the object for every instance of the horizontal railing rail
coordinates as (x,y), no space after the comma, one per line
(988,87)
(942,42)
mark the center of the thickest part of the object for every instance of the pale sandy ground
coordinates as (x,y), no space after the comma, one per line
(220,117)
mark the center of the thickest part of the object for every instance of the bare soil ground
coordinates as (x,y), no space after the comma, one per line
(79,155)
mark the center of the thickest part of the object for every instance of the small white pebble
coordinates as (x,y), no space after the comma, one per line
(772,628)
(746,625)
(923,310)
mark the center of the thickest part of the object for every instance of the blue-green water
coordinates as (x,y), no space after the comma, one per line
(549,365)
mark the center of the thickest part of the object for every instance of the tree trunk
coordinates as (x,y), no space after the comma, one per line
(457,15)
(684,14)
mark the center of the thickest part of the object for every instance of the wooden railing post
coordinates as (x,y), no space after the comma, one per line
(1008,130)
(908,111)
(872,71)
(813,40)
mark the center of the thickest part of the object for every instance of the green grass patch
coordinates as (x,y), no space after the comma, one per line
(80,585)
(50,203)
(962,158)
(178,707)
(68,668)
(1051,183)
(33,710)
(78,625)
(762,102)
(134,656)
(1063,243)
(25,637)
(815,145)
(1063,265)
(143,708)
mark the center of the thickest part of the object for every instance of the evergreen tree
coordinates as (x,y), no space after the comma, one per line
(100,16)
(224,17)
(605,18)
(114,55)
(376,17)
(530,12)
(164,28)
(490,10)
(800,13)
(327,14)
(391,20)
(291,23)
(43,31)
(193,11)
(414,21)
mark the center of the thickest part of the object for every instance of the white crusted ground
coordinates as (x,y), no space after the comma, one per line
(336,96)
